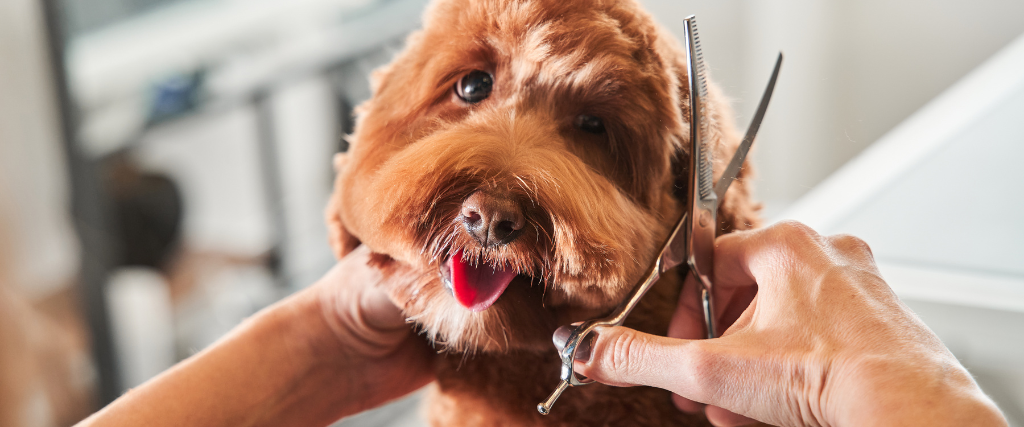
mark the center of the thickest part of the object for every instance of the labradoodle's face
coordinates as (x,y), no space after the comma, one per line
(518,156)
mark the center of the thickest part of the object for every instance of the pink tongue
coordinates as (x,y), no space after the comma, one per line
(477,287)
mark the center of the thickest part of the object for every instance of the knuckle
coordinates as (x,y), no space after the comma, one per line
(850,244)
(795,239)
(795,232)
(702,360)
(624,348)
(709,365)
(845,280)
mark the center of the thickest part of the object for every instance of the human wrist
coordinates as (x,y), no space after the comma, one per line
(358,348)
(305,321)
(326,323)
(925,389)
(310,361)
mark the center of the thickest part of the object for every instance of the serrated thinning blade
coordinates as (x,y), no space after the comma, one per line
(705,172)
(701,198)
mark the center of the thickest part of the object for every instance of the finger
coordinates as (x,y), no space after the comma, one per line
(358,309)
(847,249)
(766,257)
(687,323)
(379,312)
(686,405)
(624,357)
(727,372)
(731,304)
(723,418)
(367,284)
(732,255)
(688,319)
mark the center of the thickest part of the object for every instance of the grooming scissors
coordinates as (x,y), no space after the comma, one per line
(692,240)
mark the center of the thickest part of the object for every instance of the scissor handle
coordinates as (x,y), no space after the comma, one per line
(572,344)
(568,354)
(579,333)
(616,318)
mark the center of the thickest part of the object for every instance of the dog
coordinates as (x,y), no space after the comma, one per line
(524,158)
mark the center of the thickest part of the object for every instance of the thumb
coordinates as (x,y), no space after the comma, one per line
(358,310)
(379,312)
(620,356)
(376,321)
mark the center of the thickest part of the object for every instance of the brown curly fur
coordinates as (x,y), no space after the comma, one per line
(596,205)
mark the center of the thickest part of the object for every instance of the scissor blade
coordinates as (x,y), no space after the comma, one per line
(741,153)
(673,252)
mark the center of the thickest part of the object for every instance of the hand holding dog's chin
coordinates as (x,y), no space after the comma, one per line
(824,342)
(378,356)
(334,349)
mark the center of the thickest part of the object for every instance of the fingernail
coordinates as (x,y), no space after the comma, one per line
(562,335)
(583,350)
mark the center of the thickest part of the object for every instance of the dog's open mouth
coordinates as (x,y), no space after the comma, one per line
(475,285)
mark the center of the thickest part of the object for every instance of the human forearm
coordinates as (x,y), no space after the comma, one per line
(254,376)
(334,349)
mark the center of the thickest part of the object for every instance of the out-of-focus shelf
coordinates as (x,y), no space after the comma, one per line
(241,47)
(956,287)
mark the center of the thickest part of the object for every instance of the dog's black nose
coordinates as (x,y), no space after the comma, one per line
(492,220)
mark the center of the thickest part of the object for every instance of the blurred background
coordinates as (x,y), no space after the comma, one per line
(164,165)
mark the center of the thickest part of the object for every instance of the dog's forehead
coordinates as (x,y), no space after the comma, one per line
(552,62)
(553,44)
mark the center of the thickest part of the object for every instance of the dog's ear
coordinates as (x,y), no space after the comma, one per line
(342,242)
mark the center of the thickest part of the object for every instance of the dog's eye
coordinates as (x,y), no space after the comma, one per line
(474,87)
(590,124)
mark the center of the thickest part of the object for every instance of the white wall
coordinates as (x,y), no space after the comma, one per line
(853,70)
(31,161)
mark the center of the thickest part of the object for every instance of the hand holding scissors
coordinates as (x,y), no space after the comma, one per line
(692,239)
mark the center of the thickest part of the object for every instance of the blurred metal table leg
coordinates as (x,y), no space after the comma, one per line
(91,213)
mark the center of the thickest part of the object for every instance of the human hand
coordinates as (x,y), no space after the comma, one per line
(379,356)
(824,341)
